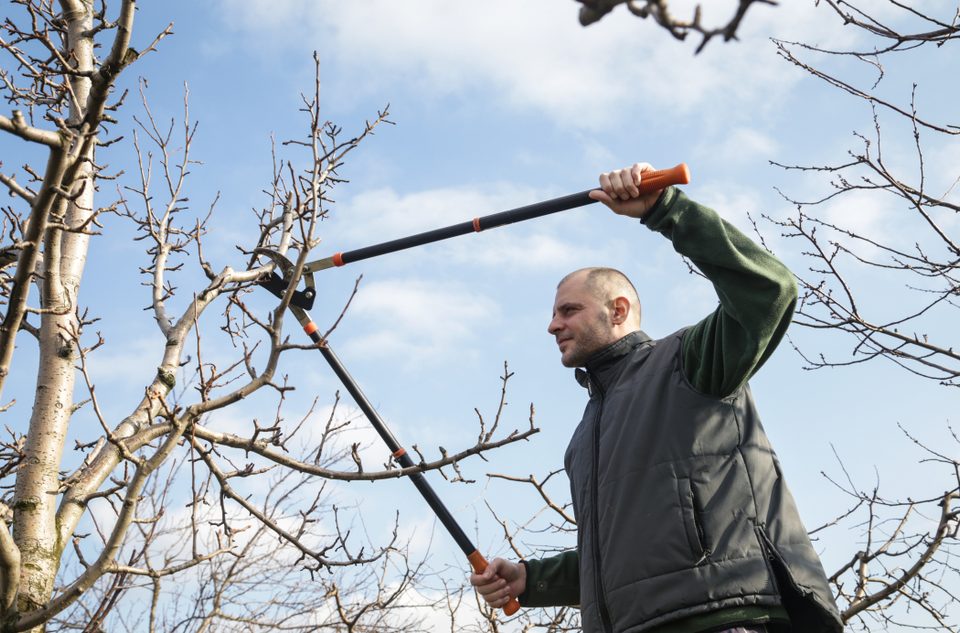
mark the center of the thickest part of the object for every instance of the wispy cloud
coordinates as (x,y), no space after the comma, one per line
(739,146)
(384,213)
(534,55)
(416,319)
(735,204)
(513,251)
(127,365)
(862,213)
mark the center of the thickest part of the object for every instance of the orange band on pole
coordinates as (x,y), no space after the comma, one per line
(476,225)
(310,328)
(400,452)
(338,259)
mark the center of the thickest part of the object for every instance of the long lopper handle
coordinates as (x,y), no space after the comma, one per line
(477,561)
(651,181)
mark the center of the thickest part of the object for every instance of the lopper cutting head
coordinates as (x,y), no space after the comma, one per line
(278,283)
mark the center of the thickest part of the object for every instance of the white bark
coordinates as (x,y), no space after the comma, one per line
(38,484)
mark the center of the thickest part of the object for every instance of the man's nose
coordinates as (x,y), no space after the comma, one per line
(553,327)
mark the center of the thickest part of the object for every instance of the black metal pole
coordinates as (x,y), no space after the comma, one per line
(652,181)
(539,209)
(396,449)
(477,561)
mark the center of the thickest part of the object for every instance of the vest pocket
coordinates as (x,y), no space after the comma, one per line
(802,604)
(692,520)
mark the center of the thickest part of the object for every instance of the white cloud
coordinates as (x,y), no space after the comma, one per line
(735,204)
(943,172)
(861,212)
(534,55)
(128,364)
(382,214)
(414,319)
(432,607)
(690,301)
(512,251)
(740,146)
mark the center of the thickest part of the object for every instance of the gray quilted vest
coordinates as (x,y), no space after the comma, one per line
(680,503)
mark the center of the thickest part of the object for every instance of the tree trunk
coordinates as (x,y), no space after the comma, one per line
(38,484)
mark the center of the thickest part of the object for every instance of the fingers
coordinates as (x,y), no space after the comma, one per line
(618,184)
(487,581)
(497,594)
(491,586)
(623,184)
(620,190)
(601,196)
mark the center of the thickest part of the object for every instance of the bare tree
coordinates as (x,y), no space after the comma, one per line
(902,572)
(94,525)
(248,583)
(922,258)
(661,13)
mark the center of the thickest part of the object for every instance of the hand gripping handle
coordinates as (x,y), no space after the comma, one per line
(479,564)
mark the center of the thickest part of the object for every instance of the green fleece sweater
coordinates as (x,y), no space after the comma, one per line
(720,353)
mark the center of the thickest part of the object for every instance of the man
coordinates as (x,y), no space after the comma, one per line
(685,524)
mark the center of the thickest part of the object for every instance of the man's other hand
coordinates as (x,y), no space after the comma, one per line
(620,191)
(500,581)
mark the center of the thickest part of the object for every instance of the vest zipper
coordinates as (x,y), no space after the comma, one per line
(595,489)
(698,525)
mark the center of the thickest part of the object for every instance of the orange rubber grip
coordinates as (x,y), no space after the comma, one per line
(655,180)
(479,564)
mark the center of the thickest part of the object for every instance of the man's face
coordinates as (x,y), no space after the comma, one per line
(581,323)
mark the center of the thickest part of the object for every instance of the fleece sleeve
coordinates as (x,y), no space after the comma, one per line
(757,294)
(552,582)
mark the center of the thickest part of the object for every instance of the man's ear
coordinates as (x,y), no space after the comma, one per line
(620,311)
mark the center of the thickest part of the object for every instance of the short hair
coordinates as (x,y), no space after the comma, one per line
(607,283)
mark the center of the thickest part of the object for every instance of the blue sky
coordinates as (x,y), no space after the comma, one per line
(499,104)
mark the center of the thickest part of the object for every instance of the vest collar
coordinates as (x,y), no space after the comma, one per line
(604,366)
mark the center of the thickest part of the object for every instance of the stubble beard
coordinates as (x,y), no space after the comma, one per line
(588,343)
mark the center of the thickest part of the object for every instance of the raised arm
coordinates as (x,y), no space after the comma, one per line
(757,293)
